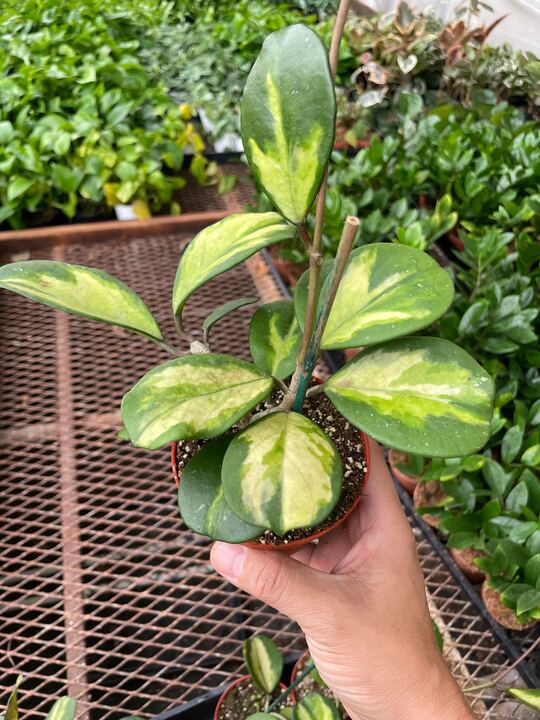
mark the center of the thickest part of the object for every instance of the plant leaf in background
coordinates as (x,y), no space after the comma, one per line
(222,246)
(288,114)
(12,708)
(264,662)
(386,291)
(528,696)
(81,291)
(274,338)
(316,707)
(421,395)
(224,310)
(282,473)
(201,500)
(63,709)
(200,396)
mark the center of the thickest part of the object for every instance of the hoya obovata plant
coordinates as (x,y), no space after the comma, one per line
(276,470)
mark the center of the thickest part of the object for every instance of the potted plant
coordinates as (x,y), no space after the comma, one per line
(407,469)
(256,691)
(262,459)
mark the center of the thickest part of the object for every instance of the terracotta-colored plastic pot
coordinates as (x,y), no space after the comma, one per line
(295,545)
(301,660)
(221,700)
(464,559)
(408,482)
(351,352)
(499,612)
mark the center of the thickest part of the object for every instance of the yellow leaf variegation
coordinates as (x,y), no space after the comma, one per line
(282,473)
(264,662)
(80,290)
(316,707)
(274,338)
(192,397)
(386,291)
(288,116)
(222,246)
(421,395)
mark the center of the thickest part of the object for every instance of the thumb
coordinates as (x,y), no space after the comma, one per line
(275,578)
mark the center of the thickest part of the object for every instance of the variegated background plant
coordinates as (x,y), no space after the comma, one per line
(277,470)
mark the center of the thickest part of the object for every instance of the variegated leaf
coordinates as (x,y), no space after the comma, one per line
(201,500)
(266,716)
(288,114)
(264,662)
(82,291)
(223,310)
(200,396)
(282,473)
(386,291)
(316,707)
(63,709)
(222,246)
(274,338)
(421,395)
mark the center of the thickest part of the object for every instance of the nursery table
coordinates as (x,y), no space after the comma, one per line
(104,594)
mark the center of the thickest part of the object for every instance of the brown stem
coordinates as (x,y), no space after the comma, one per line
(315,255)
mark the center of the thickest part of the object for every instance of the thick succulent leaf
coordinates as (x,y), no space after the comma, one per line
(386,291)
(528,696)
(264,662)
(266,716)
(201,500)
(288,114)
(200,396)
(224,310)
(274,338)
(222,246)
(421,395)
(316,707)
(82,291)
(282,473)
(63,709)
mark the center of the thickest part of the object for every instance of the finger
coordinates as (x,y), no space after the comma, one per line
(287,585)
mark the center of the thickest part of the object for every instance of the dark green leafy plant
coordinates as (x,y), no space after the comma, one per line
(421,395)
(83,124)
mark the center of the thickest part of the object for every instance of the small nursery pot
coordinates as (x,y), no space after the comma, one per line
(231,687)
(499,612)
(301,660)
(408,482)
(429,494)
(294,545)
(464,559)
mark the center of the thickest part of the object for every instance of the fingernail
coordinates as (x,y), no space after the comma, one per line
(228,560)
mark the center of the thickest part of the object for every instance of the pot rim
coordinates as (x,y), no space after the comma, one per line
(240,680)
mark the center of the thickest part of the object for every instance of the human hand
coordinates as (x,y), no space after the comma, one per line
(359,597)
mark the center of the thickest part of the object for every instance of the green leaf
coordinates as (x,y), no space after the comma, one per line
(201,499)
(527,696)
(7,132)
(18,187)
(517,498)
(288,116)
(316,707)
(65,178)
(83,291)
(200,396)
(12,708)
(282,473)
(511,443)
(63,709)
(222,246)
(266,716)
(274,338)
(530,600)
(438,635)
(421,395)
(386,291)
(531,570)
(495,476)
(264,662)
(531,456)
(223,310)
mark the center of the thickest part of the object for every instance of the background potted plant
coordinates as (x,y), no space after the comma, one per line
(274,472)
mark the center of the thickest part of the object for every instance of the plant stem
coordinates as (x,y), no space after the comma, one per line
(315,255)
(348,236)
(499,676)
(280,698)
(171,349)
